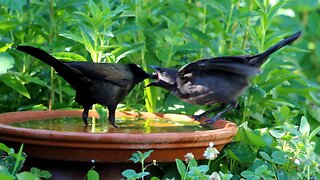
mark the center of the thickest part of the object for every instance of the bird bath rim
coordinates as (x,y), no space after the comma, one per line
(110,147)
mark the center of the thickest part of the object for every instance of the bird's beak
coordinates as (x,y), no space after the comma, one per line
(154,76)
(155,83)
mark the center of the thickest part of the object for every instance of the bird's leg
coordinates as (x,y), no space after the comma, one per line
(85,113)
(112,112)
(198,117)
(217,116)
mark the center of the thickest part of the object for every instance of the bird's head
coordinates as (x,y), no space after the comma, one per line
(138,72)
(164,77)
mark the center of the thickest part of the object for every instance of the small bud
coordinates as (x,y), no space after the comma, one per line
(188,157)
(214,176)
(211,152)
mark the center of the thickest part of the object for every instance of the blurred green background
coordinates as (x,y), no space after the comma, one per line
(170,34)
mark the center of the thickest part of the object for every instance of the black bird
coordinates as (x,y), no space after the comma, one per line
(103,83)
(217,80)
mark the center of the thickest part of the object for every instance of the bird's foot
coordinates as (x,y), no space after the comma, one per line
(114,125)
(85,123)
(212,120)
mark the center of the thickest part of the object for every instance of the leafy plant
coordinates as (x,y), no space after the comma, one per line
(92,175)
(11,164)
(279,114)
(140,157)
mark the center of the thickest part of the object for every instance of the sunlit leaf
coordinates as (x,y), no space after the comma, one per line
(93,175)
(68,56)
(15,84)
(304,126)
(6,62)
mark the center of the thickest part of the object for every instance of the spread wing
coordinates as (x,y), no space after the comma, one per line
(231,64)
(110,72)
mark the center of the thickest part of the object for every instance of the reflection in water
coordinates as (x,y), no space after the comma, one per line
(75,124)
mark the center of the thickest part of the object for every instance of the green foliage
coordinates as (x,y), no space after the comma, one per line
(11,164)
(140,157)
(92,175)
(279,118)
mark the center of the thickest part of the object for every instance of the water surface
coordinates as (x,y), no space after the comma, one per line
(75,124)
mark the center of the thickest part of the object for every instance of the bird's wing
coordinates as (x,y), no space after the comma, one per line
(118,74)
(231,64)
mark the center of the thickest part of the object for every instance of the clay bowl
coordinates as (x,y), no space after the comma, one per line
(109,147)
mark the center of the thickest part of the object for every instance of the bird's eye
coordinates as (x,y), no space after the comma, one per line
(164,74)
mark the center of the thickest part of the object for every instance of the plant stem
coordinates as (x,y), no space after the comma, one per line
(51,31)
(185,175)
(142,169)
(204,25)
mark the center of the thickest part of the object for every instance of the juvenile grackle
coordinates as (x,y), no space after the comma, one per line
(103,83)
(217,80)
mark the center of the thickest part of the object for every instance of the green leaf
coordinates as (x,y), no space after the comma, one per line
(15,84)
(18,159)
(261,169)
(247,174)
(6,62)
(4,169)
(181,167)
(134,158)
(4,148)
(255,137)
(304,126)
(277,133)
(129,173)
(93,175)
(27,176)
(40,173)
(68,56)
(155,178)
(242,151)
(6,47)
(28,78)
(313,133)
(279,157)
(196,32)
(15,5)
(193,163)
(203,168)
(5,176)
(265,156)
(76,38)
(146,154)
(142,174)
(314,112)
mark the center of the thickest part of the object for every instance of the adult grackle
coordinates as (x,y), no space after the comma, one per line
(103,83)
(217,80)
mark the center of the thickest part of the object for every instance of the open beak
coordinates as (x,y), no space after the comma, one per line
(154,76)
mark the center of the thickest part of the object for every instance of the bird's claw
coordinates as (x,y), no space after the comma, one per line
(114,125)
(85,121)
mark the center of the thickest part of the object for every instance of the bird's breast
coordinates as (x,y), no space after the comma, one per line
(206,89)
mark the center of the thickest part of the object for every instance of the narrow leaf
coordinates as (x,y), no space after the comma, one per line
(181,167)
(6,62)
(15,84)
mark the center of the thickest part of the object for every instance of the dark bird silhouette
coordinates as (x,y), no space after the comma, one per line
(217,80)
(103,83)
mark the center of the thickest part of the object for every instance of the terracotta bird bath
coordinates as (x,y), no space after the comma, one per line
(72,153)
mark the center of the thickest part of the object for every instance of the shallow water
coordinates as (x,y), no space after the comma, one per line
(75,124)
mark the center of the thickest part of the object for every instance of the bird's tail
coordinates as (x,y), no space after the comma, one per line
(58,65)
(259,59)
